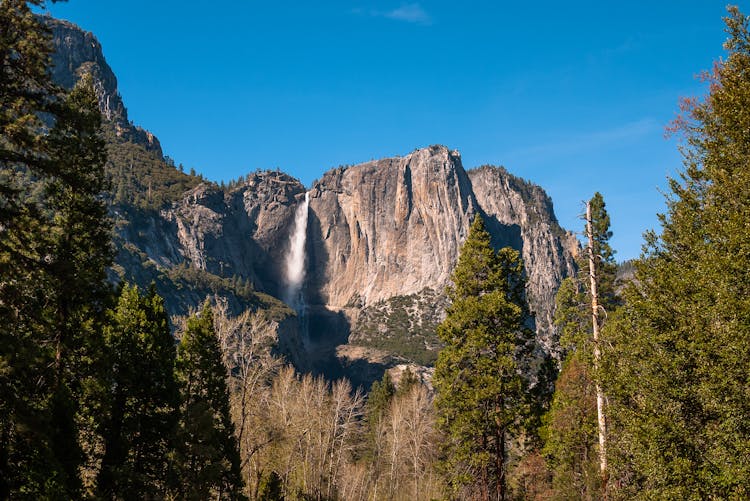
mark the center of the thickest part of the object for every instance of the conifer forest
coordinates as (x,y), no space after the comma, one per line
(121,380)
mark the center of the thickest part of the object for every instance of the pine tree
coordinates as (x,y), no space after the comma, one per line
(139,433)
(379,398)
(576,425)
(50,308)
(677,375)
(407,381)
(25,91)
(571,435)
(80,236)
(480,391)
(207,454)
(573,317)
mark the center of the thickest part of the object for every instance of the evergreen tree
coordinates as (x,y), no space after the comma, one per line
(678,376)
(480,391)
(378,402)
(570,433)
(207,455)
(80,234)
(408,381)
(379,399)
(572,440)
(271,488)
(52,294)
(26,90)
(139,434)
(573,300)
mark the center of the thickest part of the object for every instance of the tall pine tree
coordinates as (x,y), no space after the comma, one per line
(207,455)
(142,412)
(678,373)
(480,390)
(76,301)
(573,434)
(26,91)
(53,252)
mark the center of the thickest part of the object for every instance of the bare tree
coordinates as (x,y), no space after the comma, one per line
(246,342)
(408,442)
(593,279)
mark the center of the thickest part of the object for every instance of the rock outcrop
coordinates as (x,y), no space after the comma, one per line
(394,227)
(387,228)
(78,52)
(547,250)
(242,232)
(383,237)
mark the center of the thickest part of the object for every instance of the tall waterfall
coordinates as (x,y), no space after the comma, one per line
(295,259)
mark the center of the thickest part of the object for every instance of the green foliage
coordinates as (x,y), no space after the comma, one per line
(142,178)
(604,255)
(378,402)
(271,488)
(27,461)
(186,276)
(53,255)
(81,238)
(207,455)
(404,326)
(408,381)
(571,435)
(143,399)
(573,299)
(573,315)
(183,284)
(481,397)
(570,432)
(677,374)
(379,398)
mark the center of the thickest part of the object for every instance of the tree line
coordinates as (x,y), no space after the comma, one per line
(651,401)
(98,400)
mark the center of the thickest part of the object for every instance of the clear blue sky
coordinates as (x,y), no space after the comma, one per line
(573,96)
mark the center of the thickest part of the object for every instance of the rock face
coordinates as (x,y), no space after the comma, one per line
(389,227)
(383,237)
(242,232)
(394,227)
(78,52)
(547,250)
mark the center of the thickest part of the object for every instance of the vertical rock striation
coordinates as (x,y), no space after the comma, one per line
(394,227)
(78,52)
(383,235)
(389,227)
(547,250)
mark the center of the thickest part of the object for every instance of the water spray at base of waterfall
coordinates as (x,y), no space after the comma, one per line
(295,263)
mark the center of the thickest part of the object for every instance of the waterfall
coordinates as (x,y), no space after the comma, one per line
(295,259)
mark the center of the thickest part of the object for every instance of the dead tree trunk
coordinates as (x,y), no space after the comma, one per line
(601,416)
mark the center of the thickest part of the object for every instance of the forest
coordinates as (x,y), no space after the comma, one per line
(103,395)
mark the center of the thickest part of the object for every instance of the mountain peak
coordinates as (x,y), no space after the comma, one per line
(77,52)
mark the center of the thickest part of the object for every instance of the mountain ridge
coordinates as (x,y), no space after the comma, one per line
(378,231)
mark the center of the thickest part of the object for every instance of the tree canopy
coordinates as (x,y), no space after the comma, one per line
(678,377)
(480,390)
(207,454)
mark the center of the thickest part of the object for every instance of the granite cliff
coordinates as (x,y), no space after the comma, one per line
(78,52)
(382,236)
(392,229)
(389,227)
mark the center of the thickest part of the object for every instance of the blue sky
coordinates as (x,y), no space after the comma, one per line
(573,96)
